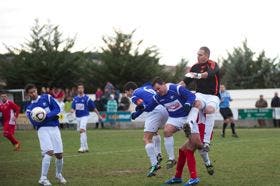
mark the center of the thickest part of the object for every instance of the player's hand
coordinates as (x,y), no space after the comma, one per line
(133,115)
(140,107)
(187,107)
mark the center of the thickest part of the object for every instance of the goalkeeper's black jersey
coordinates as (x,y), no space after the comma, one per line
(209,85)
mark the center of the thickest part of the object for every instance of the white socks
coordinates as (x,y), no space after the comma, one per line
(46,161)
(157,142)
(150,149)
(205,157)
(169,147)
(59,165)
(209,125)
(83,140)
(193,115)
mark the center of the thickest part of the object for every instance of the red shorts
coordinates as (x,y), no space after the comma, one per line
(201,128)
(9,129)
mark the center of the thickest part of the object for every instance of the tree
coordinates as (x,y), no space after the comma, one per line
(121,61)
(45,60)
(243,70)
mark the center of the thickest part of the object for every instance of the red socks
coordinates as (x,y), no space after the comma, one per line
(181,163)
(191,163)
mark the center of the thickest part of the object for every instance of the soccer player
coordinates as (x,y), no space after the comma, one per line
(48,132)
(226,111)
(81,105)
(205,73)
(156,118)
(177,100)
(10,112)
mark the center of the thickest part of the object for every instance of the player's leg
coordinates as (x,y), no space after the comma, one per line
(58,151)
(152,124)
(197,105)
(12,132)
(225,124)
(8,131)
(47,152)
(157,143)
(169,130)
(204,154)
(83,135)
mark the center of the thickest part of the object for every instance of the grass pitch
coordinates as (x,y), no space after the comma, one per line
(117,157)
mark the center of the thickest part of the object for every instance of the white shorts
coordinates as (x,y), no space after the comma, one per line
(156,119)
(82,123)
(50,139)
(177,122)
(208,99)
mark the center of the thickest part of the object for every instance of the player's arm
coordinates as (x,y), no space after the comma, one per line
(28,115)
(73,106)
(16,109)
(189,77)
(54,109)
(189,97)
(212,71)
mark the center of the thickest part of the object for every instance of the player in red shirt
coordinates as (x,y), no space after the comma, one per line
(10,112)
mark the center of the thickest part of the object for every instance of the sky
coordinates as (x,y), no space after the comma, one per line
(177,28)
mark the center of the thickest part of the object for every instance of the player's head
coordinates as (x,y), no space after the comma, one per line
(129,87)
(80,88)
(159,86)
(31,91)
(203,54)
(4,95)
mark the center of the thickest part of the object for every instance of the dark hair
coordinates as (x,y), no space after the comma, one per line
(79,84)
(4,92)
(130,85)
(206,50)
(29,86)
(157,80)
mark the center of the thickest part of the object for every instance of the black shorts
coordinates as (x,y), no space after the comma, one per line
(226,113)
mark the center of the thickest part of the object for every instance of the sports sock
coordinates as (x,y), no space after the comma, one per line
(150,149)
(58,165)
(193,115)
(209,125)
(83,139)
(191,163)
(181,163)
(232,125)
(46,161)
(205,157)
(224,127)
(169,147)
(157,142)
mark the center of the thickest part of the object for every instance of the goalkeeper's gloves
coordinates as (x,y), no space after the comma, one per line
(194,75)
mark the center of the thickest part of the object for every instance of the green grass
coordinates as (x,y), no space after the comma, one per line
(117,157)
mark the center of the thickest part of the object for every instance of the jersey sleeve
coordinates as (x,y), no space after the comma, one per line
(28,115)
(188,95)
(136,100)
(15,108)
(54,108)
(73,104)
(188,80)
(213,69)
(91,104)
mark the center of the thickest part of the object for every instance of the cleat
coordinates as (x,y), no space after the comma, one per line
(174,180)
(223,135)
(86,150)
(60,179)
(210,169)
(192,181)
(153,170)
(170,164)
(81,150)
(159,158)
(44,182)
(187,129)
(206,147)
(235,135)
(17,147)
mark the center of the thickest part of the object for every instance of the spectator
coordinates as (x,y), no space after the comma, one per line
(98,94)
(112,108)
(275,102)
(124,103)
(261,103)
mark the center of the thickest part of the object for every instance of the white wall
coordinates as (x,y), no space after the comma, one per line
(247,98)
